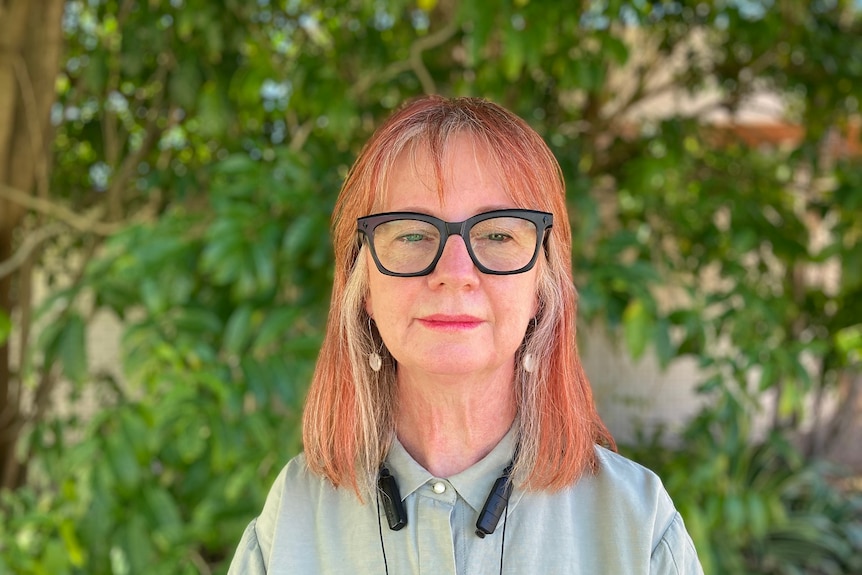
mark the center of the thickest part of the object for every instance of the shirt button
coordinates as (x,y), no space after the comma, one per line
(439,487)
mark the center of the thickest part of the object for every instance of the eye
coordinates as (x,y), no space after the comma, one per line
(411,238)
(498,237)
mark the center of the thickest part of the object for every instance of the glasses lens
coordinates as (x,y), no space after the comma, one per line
(406,246)
(504,244)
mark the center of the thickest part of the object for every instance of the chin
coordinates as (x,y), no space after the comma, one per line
(457,362)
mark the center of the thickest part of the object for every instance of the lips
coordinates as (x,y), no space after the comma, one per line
(447,322)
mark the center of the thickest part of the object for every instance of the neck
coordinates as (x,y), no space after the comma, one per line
(449,427)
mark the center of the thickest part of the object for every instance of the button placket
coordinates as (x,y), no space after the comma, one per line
(434,514)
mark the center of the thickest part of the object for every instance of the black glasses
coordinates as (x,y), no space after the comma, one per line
(500,242)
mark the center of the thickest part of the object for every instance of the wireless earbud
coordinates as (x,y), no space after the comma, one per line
(395,513)
(495,504)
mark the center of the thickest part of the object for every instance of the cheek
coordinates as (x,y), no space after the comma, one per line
(519,308)
(390,293)
(524,299)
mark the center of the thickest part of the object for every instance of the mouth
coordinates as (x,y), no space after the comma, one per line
(444,322)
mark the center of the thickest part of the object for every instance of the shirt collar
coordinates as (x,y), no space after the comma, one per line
(472,484)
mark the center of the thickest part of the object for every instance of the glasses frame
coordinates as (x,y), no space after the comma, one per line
(542,220)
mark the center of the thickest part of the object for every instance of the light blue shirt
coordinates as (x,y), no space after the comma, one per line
(617,521)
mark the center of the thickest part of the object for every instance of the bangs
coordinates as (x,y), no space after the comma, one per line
(526,169)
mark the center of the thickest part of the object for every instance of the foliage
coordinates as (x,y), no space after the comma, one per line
(217,134)
(756,507)
(222,330)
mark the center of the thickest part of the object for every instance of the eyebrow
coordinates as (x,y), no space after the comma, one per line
(482,210)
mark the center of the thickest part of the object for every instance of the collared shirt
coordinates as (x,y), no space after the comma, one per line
(619,520)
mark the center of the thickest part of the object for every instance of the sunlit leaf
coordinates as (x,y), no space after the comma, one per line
(637,327)
(5,327)
(72,348)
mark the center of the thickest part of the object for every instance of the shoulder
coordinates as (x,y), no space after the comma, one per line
(618,491)
(675,554)
(294,481)
(248,559)
(253,552)
(615,519)
(294,486)
(628,482)
(294,475)
(641,493)
(629,493)
(298,499)
(623,473)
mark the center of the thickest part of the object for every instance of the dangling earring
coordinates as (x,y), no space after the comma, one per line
(528,362)
(375,362)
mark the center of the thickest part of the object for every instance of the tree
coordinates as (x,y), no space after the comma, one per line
(198,149)
(30,50)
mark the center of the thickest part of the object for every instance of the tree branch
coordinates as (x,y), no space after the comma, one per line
(127,168)
(88,224)
(31,242)
(130,163)
(413,61)
(301,135)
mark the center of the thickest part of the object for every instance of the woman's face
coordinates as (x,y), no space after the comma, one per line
(456,320)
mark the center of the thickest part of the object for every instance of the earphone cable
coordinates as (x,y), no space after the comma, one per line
(380,532)
(502,535)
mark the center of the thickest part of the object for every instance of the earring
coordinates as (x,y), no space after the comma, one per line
(528,362)
(375,362)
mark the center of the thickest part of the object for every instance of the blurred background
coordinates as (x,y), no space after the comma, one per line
(167,174)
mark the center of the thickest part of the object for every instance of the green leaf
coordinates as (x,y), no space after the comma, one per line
(263,255)
(276,325)
(75,552)
(663,347)
(513,54)
(615,49)
(163,512)
(213,111)
(185,84)
(238,330)
(637,327)
(758,514)
(72,349)
(124,465)
(849,342)
(96,71)
(5,327)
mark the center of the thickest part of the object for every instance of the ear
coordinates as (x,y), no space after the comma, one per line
(369,308)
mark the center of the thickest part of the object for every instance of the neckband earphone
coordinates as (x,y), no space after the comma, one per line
(496,506)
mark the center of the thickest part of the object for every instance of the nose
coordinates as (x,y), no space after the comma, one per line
(455,266)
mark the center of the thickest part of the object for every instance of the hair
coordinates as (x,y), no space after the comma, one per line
(349,418)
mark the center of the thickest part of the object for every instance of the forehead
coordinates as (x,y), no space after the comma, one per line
(463,174)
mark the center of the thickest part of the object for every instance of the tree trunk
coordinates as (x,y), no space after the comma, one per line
(31,44)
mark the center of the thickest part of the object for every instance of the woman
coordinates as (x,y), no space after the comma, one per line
(450,427)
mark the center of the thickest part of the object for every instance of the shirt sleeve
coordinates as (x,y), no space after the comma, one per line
(248,559)
(675,554)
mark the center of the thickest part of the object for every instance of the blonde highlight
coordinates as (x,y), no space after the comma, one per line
(348,422)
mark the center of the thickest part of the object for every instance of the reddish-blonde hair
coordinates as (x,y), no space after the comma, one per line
(349,417)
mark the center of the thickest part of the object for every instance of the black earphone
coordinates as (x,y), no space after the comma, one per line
(495,505)
(489,517)
(392,505)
